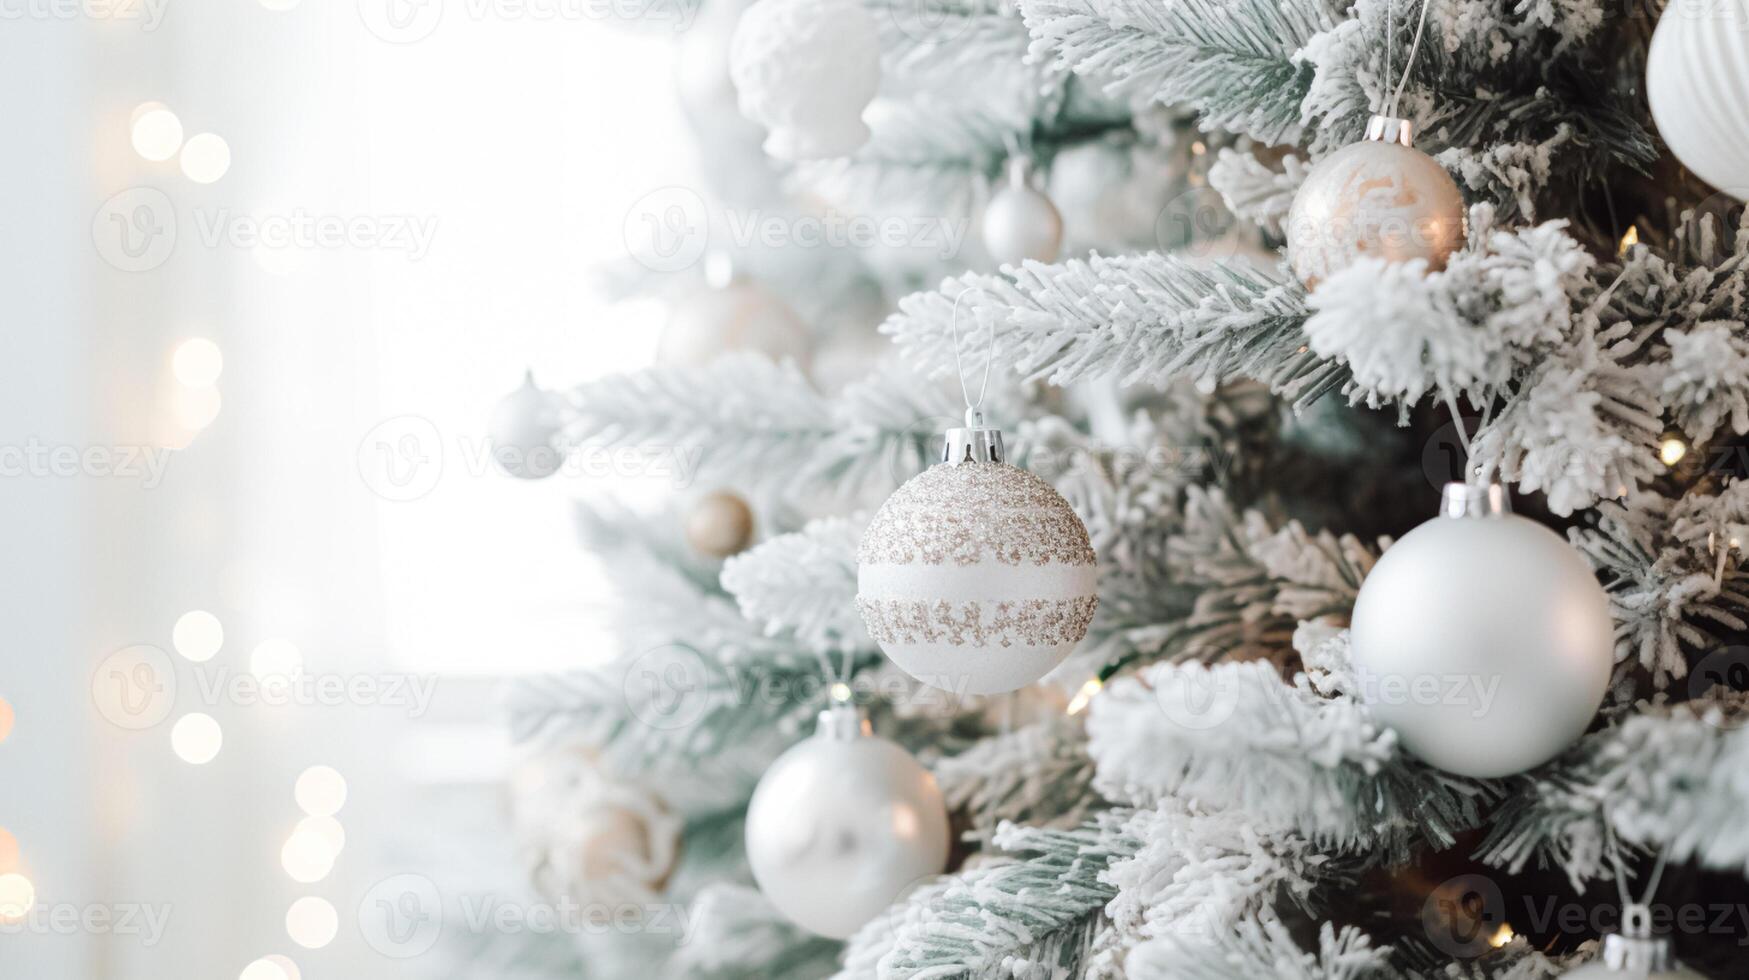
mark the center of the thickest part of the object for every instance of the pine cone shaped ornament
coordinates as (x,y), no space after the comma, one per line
(976,576)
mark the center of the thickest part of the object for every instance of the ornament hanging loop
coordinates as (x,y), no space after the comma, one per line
(974,409)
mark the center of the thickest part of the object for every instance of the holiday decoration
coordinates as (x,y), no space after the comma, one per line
(806,69)
(976,576)
(1020,222)
(719,525)
(524,428)
(1697,80)
(1482,638)
(1381,198)
(589,836)
(841,824)
(1634,954)
(741,315)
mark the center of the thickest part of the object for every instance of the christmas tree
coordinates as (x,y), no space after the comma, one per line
(1250,282)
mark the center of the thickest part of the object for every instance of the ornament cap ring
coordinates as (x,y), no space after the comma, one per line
(1390,129)
(1469,500)
(843,722)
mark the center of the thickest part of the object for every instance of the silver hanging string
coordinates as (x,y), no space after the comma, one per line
(973,409)
(1396,102)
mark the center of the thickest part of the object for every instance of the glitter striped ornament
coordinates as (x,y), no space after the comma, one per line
(976,577)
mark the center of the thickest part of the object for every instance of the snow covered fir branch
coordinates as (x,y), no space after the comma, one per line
(1136,675)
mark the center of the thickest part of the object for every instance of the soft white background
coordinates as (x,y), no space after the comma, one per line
(525,139)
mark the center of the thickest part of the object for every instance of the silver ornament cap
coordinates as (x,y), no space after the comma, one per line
(973,442)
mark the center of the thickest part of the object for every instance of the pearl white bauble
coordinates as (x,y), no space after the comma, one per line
(841,825)
(1485,642)
(976,578)
(1021,223)
(719,525)
(742,316)
(1373,198)
(523,430)
(806,69)
(1697,81)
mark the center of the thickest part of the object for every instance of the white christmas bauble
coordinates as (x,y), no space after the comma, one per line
(976,577)
(1379,198)
(719,525)
(1021,223)
(1697,81)
(1634,954)
(1483,639)
(841,825)
(806,69)
(523,430)
(740,316)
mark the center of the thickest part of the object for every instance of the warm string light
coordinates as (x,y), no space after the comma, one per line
(1502,936)
(1085,695)
(196,738)
(1628,240)
(1672,449)
(198,635)
(312,922)
(17,895)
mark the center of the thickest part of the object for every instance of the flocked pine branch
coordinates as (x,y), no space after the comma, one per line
(1233,62)
(1264,948)
(1675,586)
(736,934)
(1287,757)
(1140,319)
(804,583)
(1027,919)
(1038,774)
(1672,780)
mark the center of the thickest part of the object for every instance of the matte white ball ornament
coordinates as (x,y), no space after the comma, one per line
(1381,198)
(1697,81)
(806,69)
(842,824)
(1020,222)
(976,577)
(1483,639)
(524,430)
(740,316)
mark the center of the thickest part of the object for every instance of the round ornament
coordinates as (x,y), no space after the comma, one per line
(1482,639)
(524,428)
(1697,81)
(806,69)
(842,824)
(976,577)
(1020,222)
(719,525)
(742,315)
(588,835)
(1380,197)
(1634,954)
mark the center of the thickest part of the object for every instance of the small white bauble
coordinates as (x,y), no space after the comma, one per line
(806,69)
(842,824)
(1483,639)
(1697,81)
(523,429)
(740,316)
(1020,222)
(1380,197)
(719,525)
(976,577)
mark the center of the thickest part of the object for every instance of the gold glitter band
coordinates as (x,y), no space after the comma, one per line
(975,511)
(1027,622)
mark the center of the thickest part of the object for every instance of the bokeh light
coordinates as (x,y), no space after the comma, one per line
(196,738)
(321,791)
(312,922)
(17,895)
(263,969)
(198,635)
(205,158)
(6,719)
(196,408)
(198,362)
(306,857)
(156,132)
(275,658)
(327,828)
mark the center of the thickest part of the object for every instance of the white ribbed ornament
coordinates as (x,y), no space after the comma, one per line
(1697,80)
(976,577)
(806,69)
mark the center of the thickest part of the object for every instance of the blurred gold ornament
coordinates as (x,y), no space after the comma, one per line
(589,835)
(720,525)
(1380,197)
